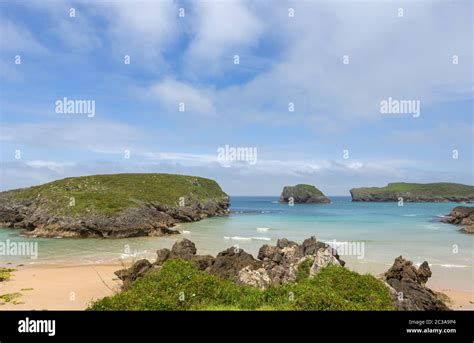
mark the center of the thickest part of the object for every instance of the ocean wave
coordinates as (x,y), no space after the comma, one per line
(239,238)
(186,232)
(431,227)
(441,216)
(409,215)
(451,265)
(263,229)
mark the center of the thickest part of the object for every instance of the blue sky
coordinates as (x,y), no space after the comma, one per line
(283,59)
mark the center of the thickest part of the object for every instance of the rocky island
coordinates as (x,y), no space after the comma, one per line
(461,215)
(303,194)
(113,205)
(416,192)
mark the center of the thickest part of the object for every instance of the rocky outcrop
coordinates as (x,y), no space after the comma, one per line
(229,262)
(461,215)
(123,208)
(407,287)
(183,249)
(303,194)
(275,264)
(415,192)
(281,262)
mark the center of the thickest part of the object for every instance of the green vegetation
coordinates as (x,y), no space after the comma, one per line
(303,270)
(10,297)
(442,189)
(5,273)
(301,189)
(178,285)
(113,193)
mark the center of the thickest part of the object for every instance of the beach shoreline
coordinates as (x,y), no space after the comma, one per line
(74,287)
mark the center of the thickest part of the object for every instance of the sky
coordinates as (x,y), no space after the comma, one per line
(299,84)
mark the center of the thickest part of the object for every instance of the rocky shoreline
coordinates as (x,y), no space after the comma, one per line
(281,264)
(112,205)
(150,219)
(461,215)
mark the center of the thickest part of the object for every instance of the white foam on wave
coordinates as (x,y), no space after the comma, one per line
(186,232)
(441,216)
(263,229)
(431,227)
(409,215)
(239,238)
(452,265)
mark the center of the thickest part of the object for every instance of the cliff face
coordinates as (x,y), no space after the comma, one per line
(116,205)
(416,192)
(303,194)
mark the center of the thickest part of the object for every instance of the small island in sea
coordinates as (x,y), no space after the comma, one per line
(303,194)
(416,192)
(112,205)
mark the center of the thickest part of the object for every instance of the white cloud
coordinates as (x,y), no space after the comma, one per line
(17,39)
(141,30)
(57,167)
(80,134)
(195,99)
(220,31)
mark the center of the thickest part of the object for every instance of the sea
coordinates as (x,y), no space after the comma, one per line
(367,235)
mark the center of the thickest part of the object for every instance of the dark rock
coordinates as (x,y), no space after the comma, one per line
(184,249)
(129,275)
(162,256)
(203,262)
(408,287)
(461,215)
(424,273)
(229,262)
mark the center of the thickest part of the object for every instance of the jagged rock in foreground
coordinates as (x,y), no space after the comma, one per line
(113,205)
(279,264)
(416,192)
(303,194)
(275,265)
(407,286)
(461,215)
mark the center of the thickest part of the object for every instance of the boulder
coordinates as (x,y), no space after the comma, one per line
(258,278)
(229,262)
(129,275)
(184,249)
(407,286)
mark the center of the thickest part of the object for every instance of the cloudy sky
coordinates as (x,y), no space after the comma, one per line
(331,62)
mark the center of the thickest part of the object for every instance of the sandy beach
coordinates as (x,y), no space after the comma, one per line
(74,287)
(59,287)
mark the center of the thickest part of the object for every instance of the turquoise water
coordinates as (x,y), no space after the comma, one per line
(382,231)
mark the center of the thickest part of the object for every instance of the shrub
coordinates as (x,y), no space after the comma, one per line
(178,285)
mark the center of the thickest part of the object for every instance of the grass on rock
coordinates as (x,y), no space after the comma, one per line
(113,193)
(428,189)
